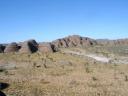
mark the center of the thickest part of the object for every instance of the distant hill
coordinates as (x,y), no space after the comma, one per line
(31,46)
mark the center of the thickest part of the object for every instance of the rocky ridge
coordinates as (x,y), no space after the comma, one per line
(32,46)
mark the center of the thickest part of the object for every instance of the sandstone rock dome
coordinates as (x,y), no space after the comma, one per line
(29,46)
(74,41)
(46,47)
(13,47)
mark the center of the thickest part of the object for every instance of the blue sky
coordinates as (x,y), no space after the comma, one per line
(46,20)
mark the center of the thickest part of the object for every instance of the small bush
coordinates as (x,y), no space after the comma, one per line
(94,79)
(126,78)
(87,69)
(2,69)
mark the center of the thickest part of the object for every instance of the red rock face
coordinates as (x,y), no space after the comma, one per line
(112,42)
(32,46)
(60,43)
(73,41)
(122,41)
(29,46)
(45,48)
(13,47)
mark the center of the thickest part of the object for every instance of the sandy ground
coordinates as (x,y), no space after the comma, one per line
(93,56)
(100,58)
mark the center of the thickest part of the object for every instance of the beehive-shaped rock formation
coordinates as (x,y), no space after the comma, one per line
(46,48)
(13,47)
(73,41)
(29,46)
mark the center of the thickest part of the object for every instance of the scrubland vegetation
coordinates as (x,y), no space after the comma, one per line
(61,74)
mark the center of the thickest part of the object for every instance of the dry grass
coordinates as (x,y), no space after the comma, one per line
(62,74)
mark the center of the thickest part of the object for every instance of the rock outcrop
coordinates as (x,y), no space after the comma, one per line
(29,46)
(105,42)
(46,48)
(74,41)
(2,47)
(32,46)
(13,47)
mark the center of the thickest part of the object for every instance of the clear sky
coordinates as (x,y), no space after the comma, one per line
(46,20)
